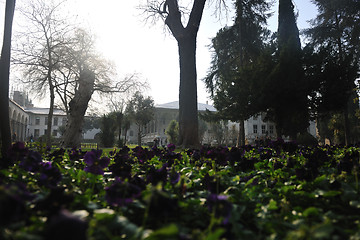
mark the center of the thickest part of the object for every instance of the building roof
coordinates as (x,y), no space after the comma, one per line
(44,111)
(175,105)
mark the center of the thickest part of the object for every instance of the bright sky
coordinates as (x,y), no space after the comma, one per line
(134,46)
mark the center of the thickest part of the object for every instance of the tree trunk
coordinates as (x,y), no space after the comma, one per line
(188,112)
(4,79)
(77,109)
(241,135)
(139,135)
(50,114)
(186,39)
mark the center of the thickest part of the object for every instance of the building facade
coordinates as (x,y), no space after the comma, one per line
(38,120)
(19,120)
(29,122)
(256,128)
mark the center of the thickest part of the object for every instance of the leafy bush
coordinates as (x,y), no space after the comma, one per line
(280,192)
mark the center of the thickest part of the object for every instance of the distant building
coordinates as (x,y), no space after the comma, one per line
(164,114)
(19,120)
(27,121)
(256,128)
(38,120)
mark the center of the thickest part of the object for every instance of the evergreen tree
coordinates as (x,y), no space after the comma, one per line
(107,133)
(141,111)
(172,131)
(286,91)
(235,77)
(334,43)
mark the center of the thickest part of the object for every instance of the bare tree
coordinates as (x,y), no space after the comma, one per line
(173,14)
(61,59)
(4,78)
(45,32)
(76,85)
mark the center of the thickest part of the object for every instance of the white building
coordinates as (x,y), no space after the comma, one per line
(38,120)
(164,114)
(19,120)
(256,128)
(27,121)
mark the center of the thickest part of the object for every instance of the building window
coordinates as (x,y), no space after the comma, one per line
(54,133)
(271,129)
(255,117)
(255,128)
(46,120)
(45,131)
(131,133)
(263,129)
(64,120)
(36,133)
(56,120)
(37,121)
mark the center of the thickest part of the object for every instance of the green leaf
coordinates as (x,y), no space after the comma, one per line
(272,205)
(311,212)
(331,193)
(168,232)
(215,235)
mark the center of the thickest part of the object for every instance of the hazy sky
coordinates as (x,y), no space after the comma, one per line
(134,46)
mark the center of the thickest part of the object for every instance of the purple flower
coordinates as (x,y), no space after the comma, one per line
(76,154)
(50,175)
(171,147)
(174,177)
(142,154)
(94,163)
(121,193)
(122,166)
(32,162)
(157,175)
(220,205)
(17,152)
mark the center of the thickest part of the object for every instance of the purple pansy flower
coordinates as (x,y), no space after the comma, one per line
(171,147)
(220,205)
(32,162)
(17,152)
(174,177)
(158,175)
(121,193)
(95,163)
(50,175)
(75,154)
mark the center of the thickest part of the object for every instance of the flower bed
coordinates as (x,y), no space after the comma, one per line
(277,192)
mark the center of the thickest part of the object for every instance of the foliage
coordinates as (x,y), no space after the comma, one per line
(172,131)
(333,58)
(280,190)
(235,77)
(141,111)
(285,89)
(107,133)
